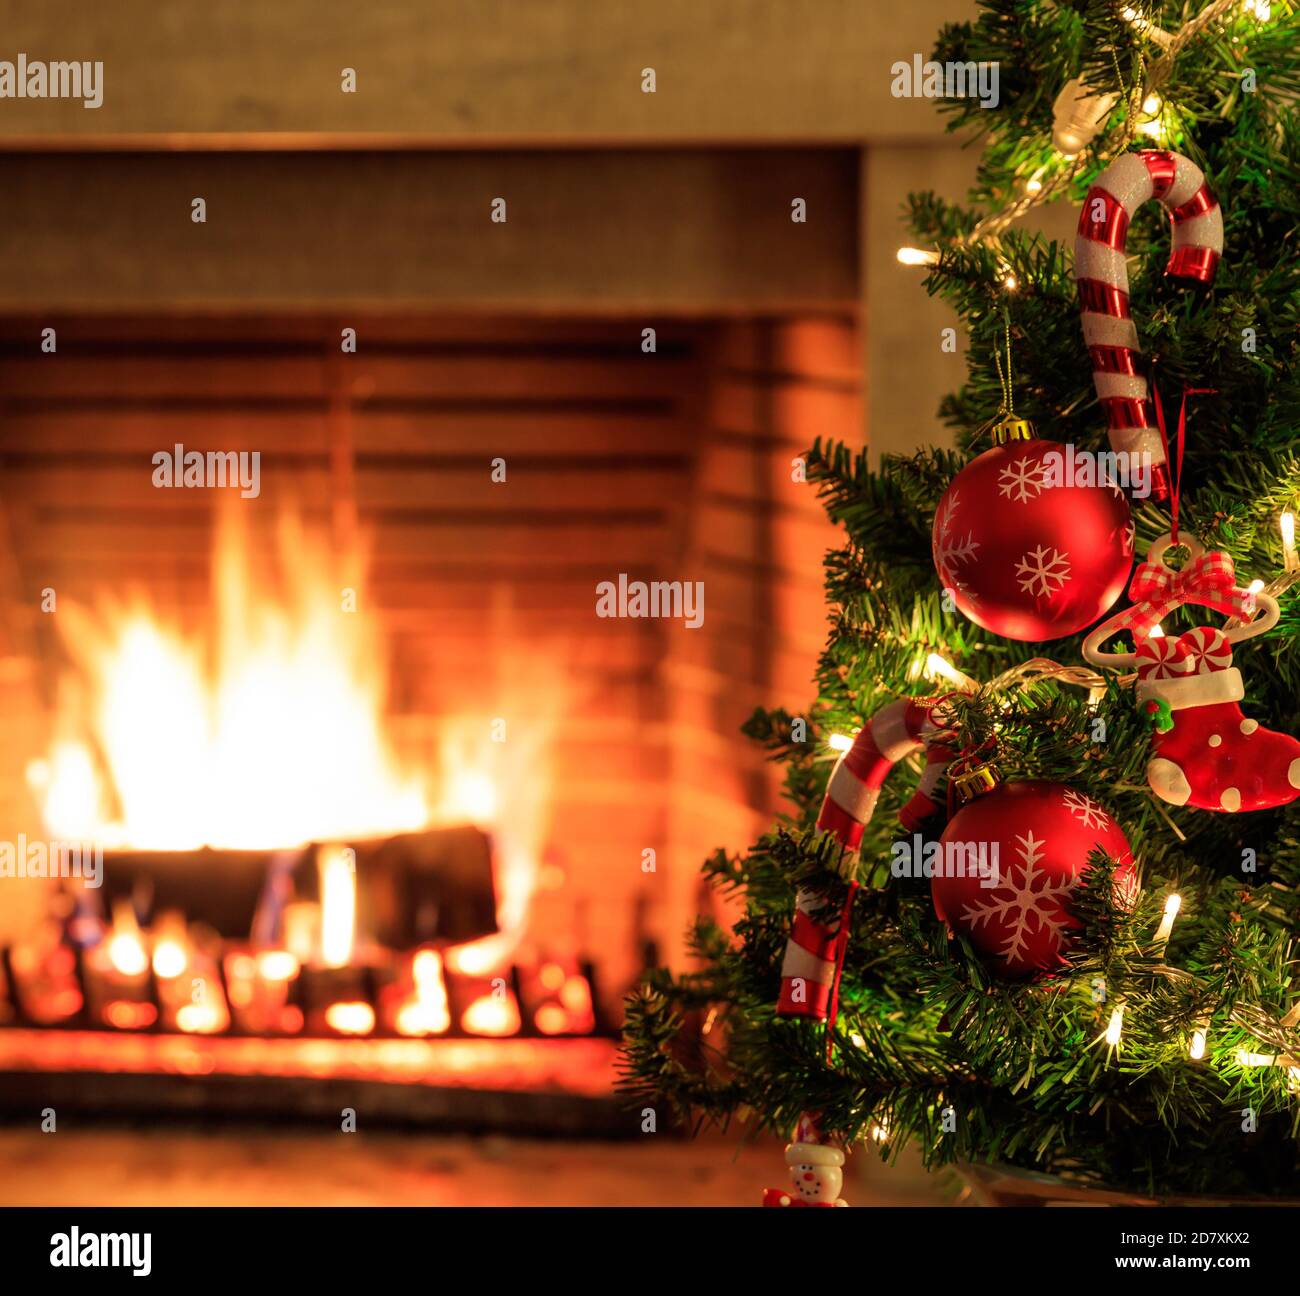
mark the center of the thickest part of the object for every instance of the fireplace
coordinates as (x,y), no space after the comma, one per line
(379,800)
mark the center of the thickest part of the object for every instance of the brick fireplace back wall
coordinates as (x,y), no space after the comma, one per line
(674,465)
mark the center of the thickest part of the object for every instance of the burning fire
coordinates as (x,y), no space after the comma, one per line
(266,733)
(264,729)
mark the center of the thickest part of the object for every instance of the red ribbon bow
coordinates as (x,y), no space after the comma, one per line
(1208,580)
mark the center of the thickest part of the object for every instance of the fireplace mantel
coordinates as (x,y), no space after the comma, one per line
(476,73)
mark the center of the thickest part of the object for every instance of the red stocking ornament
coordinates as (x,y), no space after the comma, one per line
(1212,757)
(1205,752)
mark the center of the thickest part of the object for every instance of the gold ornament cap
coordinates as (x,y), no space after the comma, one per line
(1012,428)
(975,781)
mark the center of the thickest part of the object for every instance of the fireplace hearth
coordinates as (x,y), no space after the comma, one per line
(391,814)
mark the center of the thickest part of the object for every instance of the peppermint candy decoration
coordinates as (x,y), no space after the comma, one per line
(1161,658)
(1102,274)
(1197,652)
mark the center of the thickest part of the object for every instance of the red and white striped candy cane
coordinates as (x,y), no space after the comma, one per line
(1102,273)
(893,733)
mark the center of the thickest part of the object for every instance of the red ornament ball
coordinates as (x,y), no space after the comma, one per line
(1028,544)
(1036,837)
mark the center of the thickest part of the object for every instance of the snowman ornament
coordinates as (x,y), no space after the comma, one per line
(816,1170)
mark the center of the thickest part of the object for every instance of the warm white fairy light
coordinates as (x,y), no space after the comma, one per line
(1172,905)
(1260,9)
(944,669)
(1153,129)
(1156,631)
(1115,1026)
(1286,524)
(1255,586)
(1033,184)
(911,256)
(1247,1059)
(839,742)
(1148,29)
(1011,283)
(1197,1050)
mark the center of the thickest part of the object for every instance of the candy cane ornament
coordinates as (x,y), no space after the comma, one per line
(892,734)
(1102,274)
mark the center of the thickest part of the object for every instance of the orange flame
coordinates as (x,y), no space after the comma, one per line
(265,733)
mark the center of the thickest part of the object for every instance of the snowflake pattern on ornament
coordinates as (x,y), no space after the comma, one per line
(1033,904)
(1086,810)
(1043,571)
(950,550)
(1023,480)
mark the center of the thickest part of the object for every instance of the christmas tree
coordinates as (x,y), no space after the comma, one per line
(1144,1037)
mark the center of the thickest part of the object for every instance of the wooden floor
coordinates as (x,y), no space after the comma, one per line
(187,1167)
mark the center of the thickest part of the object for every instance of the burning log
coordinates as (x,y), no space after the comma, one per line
(428,887)
(221,888)
(412,889)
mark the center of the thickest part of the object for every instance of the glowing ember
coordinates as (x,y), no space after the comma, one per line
(170,946)
(585,1066)
(277,965)
(355,1018)
(576,998)
(204,1017)
(337,866)
(491,1014)
(428,1012)
(168,959)
(126,1014)
(551,1019)
(125,948)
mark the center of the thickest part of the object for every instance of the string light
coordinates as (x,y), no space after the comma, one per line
(1172,905)
(1260,9)
(1197,1051)
(1286,524)
(1255,586)
(1255,1059)
(944,669)
(839,742)
(910,256)
(1148,29)
(1115,1026)
(1156,631)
